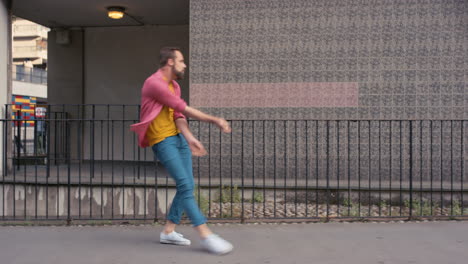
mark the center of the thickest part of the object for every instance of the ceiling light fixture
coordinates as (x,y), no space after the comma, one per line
(115,12)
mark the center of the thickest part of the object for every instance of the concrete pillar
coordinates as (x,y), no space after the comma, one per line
(65,67)
(5,70)
(65,85)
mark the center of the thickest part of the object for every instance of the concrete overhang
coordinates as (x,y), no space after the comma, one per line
(93,13)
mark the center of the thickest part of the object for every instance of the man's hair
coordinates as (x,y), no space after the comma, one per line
(167,53)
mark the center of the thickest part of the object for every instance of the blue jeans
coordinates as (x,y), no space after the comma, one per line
(175,155)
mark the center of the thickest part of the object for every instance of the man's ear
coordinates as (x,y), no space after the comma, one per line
(170,62)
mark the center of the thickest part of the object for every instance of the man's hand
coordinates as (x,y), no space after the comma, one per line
(223,125)
(197,114)
(197,148)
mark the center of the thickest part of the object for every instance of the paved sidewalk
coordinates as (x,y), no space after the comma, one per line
(360,243)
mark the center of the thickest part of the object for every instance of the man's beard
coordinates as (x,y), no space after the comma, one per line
(178,74)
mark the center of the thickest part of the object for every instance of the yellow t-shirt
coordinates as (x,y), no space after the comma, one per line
(163,125)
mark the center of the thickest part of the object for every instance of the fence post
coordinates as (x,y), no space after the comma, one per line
(5,143)
(327,217)
(18,136)
(411,168)
(4,149)
(68,132)
(48,126)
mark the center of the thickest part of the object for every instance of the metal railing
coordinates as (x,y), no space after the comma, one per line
(31,75)
(264,170)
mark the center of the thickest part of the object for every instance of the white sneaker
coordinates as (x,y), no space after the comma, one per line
(173,238)
(216,245)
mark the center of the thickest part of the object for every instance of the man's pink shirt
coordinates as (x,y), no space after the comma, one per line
(154,95)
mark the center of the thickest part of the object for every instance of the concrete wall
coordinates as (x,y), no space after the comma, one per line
(29,89)
(118,60)
(5,67)
(30,202)
(26,28)
(52,202)
(109,65)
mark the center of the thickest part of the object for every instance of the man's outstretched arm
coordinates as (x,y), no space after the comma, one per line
(199,115)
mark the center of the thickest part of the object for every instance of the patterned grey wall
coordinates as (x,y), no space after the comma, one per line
(409,58)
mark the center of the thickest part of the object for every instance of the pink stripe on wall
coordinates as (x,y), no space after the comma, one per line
(315,94)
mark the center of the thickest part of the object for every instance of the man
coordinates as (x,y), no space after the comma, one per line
(163,127)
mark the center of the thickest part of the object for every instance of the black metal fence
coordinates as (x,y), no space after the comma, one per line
(92,169)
